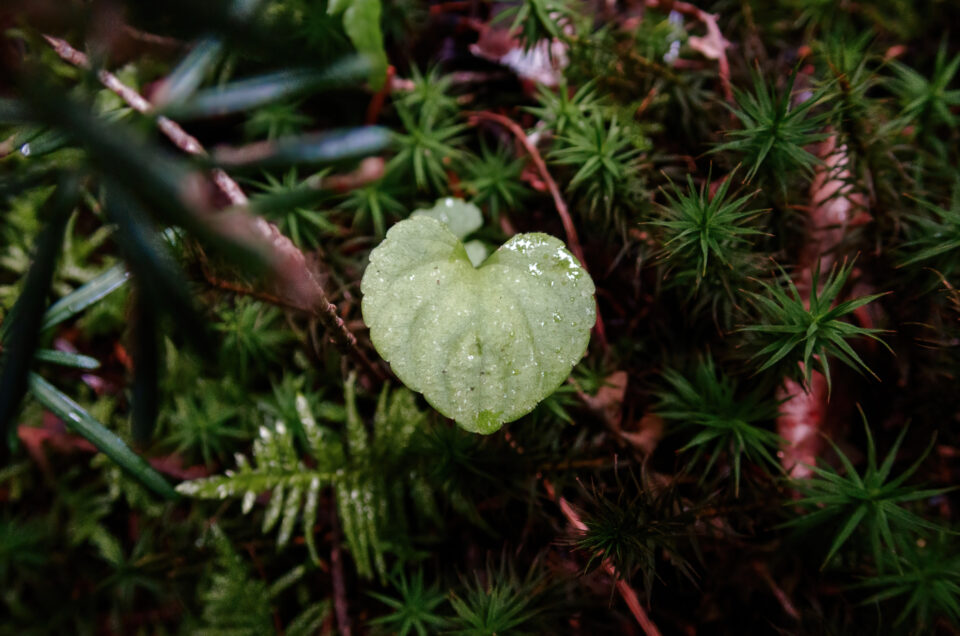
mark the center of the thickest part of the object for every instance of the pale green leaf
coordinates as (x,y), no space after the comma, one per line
(477,252)
(460,217)
(361,21)
(483,344)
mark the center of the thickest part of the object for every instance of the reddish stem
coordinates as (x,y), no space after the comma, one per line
(473,117)
(627,593)
(376,104)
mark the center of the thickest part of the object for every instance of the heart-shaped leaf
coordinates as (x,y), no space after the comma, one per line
(483,344)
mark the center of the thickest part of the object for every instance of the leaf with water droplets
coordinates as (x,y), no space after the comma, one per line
(483,344)
(460,217)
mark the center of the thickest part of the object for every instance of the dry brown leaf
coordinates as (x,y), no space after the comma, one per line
(608,402)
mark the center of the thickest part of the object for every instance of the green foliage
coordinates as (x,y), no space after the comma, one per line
(21,548)
(368,496)
(538,20)
(794,332)
(430,95)
(498,603)
(493,179)
(602,152)
(274,121)
(928,575)
(376,201)
(928,101)
(206,425)
(775,131)
(277,468)
(706,241)
(100,436)
(501,356)
(872,503)
(934,238)
(635,531)
(697,226)
(414,611)
(252,336)
(720,419)
(851,77)
(236,604)
(361,21)
(427,148)
(459,217)
(305,226)
(563,109)
(94,194)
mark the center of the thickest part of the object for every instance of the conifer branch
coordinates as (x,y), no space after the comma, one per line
(300,288)
(174,132)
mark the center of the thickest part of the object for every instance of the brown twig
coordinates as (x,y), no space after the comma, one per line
(301,290)
(626,592)
(180,138)
(781,596)
(336,575)
(242,290)
(473,117)
(376,103)
(645,104)
(258,565)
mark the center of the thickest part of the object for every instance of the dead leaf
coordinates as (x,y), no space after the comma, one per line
(648,435)
(712,46)
(543,63)
(608,402)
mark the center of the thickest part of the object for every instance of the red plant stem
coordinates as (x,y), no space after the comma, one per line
(376,103)
(450,7)
(626,592)
(473,117)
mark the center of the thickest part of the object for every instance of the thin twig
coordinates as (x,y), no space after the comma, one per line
(305,293)
(568,227)
(571,231)
(626,592)
(376,103)
(781,596)
(180,138)
(242,290)
(336,575)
